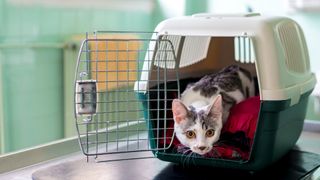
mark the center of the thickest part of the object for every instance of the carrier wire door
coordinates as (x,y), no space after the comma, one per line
(111,118)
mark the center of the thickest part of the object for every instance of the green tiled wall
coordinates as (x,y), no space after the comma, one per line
(36,65)
(31,88)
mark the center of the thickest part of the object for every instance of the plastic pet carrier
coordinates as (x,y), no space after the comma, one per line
(125,83)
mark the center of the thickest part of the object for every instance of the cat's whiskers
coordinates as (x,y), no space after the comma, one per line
(187,151)
(193,156)
(185,154)
(184,160)
(189,157)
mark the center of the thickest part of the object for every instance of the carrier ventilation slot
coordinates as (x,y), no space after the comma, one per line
(162,54)
(194,49)
(244,50)
(296,57)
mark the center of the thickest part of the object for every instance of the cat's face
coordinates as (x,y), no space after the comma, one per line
(199,128)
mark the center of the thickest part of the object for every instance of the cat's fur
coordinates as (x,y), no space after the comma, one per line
(204,106)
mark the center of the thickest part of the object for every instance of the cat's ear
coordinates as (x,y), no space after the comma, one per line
(179,111)
(216,107)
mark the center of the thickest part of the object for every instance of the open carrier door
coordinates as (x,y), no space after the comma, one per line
(110,107)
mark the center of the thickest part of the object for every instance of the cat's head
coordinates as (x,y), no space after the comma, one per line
(198,128)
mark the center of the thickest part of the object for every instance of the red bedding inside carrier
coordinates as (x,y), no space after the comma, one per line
(237,134)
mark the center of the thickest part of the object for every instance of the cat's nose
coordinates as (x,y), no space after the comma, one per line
(202,148)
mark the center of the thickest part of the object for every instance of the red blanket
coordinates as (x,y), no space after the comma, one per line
(237,134)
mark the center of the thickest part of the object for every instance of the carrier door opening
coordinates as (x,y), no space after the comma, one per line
(211,55)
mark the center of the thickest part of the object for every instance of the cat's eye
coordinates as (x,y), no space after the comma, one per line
(210,133)
(190,134)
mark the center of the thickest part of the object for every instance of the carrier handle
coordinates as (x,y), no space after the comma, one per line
(210,15)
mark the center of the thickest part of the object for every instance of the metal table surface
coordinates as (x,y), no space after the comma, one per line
(292,166)
(295,165)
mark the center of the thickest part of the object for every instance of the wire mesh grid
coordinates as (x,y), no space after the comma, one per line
(113,115)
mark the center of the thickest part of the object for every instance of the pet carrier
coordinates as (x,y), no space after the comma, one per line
(125,84)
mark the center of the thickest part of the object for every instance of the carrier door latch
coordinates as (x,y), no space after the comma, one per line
(86,97)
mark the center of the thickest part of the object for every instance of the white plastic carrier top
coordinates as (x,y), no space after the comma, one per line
(280,51)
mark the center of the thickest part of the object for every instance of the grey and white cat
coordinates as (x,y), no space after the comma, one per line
(204,107)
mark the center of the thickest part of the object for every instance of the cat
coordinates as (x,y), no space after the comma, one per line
(204,107)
